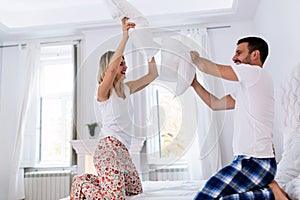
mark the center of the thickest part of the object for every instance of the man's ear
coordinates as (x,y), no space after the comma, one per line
(256,54)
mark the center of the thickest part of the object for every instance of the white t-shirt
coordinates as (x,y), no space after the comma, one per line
(254,112)
(117,116)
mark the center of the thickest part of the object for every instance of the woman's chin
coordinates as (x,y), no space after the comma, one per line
(123,76)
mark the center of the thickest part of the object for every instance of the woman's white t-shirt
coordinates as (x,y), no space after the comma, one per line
(253,113)
(117,116)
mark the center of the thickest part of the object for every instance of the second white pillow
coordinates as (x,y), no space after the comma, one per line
(185,75)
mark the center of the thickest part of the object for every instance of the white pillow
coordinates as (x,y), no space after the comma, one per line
(292,188)
(141,36)
(171,54)
(142,40)
(289,165)
(185,75)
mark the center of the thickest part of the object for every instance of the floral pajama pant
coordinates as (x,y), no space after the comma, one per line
(117,176)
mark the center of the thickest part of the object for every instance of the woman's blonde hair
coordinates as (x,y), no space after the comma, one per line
(103,65)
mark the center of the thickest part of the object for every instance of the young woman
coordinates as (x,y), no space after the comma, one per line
(117,176)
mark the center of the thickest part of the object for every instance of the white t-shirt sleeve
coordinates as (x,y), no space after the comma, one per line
(230,87)
(247,74)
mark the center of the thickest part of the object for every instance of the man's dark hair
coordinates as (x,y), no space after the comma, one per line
(256,43)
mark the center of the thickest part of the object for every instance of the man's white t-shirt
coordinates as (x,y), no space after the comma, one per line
(253,113)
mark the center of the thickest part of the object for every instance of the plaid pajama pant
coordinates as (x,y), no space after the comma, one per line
(244,178)
(117,176)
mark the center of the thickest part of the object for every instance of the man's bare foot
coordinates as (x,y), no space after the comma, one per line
(279,193)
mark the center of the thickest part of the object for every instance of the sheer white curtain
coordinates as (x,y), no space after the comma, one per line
(18,76)
(139,67)
(206,141)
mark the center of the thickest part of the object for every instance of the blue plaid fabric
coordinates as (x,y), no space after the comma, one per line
(244,178)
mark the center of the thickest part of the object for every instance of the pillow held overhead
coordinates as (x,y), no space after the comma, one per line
(141,36)
(122,8)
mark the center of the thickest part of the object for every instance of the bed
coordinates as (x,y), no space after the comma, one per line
(154,190)
(167,190)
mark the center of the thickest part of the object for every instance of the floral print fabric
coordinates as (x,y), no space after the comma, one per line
(117,175)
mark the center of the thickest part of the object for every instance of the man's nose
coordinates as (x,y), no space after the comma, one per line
(234,58)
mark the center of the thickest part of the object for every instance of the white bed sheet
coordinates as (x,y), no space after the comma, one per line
(167,190)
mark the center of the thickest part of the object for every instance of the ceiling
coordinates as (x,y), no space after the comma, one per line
(28,19)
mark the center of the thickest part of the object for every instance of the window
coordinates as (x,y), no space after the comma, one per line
(165,146)
(169,117)
(55,108)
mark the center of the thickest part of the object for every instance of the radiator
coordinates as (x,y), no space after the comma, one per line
(169,174)
(45,185)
